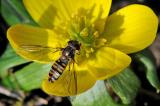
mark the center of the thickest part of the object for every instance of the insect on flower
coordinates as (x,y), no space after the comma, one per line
(66,58)
(107,40)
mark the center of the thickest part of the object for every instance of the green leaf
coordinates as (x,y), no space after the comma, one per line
(9,59)
(96,96)
(13,12)
(147,61)
(29,77)
(125,85)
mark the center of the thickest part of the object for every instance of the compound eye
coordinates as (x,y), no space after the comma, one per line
(77,47)
(69,42)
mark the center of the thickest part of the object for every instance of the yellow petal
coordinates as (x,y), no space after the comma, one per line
(132,28)
(35,43)
(49,13)
(67,84)
(108,62)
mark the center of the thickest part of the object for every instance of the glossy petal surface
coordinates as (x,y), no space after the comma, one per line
(108,62)
(131,28)
(68,84)
(50,13)
(35,43)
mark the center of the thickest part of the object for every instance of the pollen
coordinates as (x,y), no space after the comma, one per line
(84,32)
(82,29)
(89,51)
(96,34)
(92,50)
(100,42)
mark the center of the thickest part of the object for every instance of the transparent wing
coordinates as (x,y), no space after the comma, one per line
(43,54)
(39,48)
(71,79)
(71,82)
(65,85)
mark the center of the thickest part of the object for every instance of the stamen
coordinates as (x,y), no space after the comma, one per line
(96,34)
(84,32)
(100,42)
(87,55)
(92,50)
(103,40)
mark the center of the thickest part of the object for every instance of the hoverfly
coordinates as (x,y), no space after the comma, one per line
(66,59)
(67,56)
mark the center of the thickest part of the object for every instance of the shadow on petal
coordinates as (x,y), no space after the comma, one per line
(131,28)
(114,28)
(48,17)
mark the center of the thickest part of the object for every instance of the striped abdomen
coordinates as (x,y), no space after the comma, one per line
(57,69)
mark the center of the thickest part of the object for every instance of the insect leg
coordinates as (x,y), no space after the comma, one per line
(75,79)
(69,83)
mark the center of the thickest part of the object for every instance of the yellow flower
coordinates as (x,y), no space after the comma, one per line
(106,41)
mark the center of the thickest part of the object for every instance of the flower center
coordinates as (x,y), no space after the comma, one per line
(83,28)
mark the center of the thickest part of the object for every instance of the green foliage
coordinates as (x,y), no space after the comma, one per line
(125,85)
(13,12)
(96,96)
(9,59)
(147,63)
(27,78)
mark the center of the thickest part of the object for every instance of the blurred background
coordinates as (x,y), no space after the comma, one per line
(15,72)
